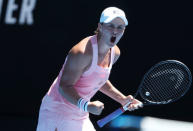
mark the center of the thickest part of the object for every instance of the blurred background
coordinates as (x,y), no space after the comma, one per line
(35,37)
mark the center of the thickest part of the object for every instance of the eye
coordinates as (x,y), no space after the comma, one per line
(111,26)
(120,28)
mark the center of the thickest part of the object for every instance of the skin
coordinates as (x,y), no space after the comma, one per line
(80,58)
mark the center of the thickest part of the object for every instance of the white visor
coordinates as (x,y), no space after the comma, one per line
(111,13)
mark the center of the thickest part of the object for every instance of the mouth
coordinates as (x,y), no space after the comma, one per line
(113,39)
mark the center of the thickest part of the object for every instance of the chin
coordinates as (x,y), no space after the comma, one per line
(112,44)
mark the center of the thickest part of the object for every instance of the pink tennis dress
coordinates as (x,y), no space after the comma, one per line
(57,113)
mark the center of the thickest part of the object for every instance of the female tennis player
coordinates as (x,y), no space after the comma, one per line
(86,70)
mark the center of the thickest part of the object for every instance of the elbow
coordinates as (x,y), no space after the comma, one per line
(63,88)
(60,90)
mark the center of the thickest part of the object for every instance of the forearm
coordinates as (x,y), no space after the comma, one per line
(109,90)
(69,93)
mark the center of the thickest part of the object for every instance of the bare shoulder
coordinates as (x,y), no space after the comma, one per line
(117,53)
(82,47)
(77,61)
(81,53)
(117,50)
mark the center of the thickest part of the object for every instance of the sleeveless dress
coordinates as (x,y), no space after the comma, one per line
(57,112)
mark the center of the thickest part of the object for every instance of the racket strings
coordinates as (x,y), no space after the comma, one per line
(165,83)
(174,83)
(157,94)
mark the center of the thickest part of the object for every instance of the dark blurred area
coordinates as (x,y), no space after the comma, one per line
(36,38)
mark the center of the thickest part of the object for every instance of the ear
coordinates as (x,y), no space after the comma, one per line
(99,26)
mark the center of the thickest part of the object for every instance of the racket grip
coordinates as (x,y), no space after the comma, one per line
(110,117)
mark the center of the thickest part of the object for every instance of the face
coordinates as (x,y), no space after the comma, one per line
(112,32)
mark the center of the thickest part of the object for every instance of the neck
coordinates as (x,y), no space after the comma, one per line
(102,46)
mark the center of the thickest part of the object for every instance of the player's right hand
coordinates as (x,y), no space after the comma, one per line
(95,107)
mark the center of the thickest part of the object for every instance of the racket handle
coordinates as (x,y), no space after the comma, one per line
(110,117)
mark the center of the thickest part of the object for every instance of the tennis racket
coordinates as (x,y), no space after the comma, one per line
(165,82)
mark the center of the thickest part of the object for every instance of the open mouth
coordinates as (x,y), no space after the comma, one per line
(113,39)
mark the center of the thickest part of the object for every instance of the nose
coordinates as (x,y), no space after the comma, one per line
(115,31)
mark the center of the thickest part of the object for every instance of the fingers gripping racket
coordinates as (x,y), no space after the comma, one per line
(164,83)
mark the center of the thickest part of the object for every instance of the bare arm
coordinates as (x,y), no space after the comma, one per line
(72,71)
(116,95)
(109,90)
(78,61)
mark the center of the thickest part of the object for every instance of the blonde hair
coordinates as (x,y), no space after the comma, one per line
(97,30)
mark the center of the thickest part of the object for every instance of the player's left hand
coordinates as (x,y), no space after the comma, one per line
(135,104)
